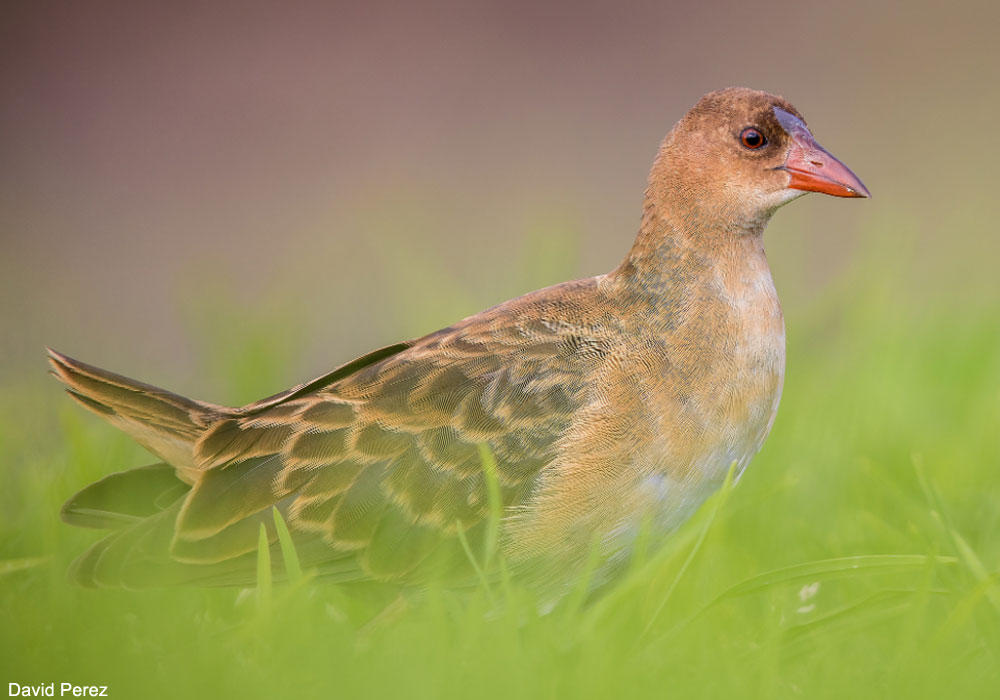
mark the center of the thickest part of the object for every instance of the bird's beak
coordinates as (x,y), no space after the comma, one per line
(810,166)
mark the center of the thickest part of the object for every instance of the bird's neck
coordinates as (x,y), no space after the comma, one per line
(680,241)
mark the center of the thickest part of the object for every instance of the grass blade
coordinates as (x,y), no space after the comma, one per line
(840,567)
(288,553)
(263,571)
(985,581)
(492,534)
(9,566)
(727,487)
(464,541)
(823,570)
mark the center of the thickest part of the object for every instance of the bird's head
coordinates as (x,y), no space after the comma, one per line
(738,155)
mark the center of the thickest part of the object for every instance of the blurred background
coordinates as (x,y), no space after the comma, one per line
(346,174)
(228,198)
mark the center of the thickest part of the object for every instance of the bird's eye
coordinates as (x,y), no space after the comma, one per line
(751,138)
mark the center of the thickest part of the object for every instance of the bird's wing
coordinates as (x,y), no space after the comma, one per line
(384,464)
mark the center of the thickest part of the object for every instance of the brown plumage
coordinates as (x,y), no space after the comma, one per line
(608,403)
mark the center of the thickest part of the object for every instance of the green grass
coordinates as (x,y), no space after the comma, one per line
(857,557)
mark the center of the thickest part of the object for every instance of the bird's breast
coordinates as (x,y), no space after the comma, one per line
(750,387)
(691,389)
(723,367)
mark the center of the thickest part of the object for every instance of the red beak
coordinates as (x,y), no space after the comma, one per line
(811,167)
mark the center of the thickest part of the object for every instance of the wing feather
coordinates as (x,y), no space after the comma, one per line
(379,460)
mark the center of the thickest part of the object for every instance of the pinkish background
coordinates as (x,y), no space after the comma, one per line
(317,179)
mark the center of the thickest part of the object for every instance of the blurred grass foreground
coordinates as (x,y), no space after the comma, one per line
(857,557)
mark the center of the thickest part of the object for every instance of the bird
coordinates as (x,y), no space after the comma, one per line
(562,422)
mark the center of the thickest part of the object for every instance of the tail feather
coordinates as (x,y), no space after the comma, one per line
(141,507)
(125,556)
(166,424)
(124,498)
(139,556)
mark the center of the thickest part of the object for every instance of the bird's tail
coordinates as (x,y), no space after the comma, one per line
(164,423)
